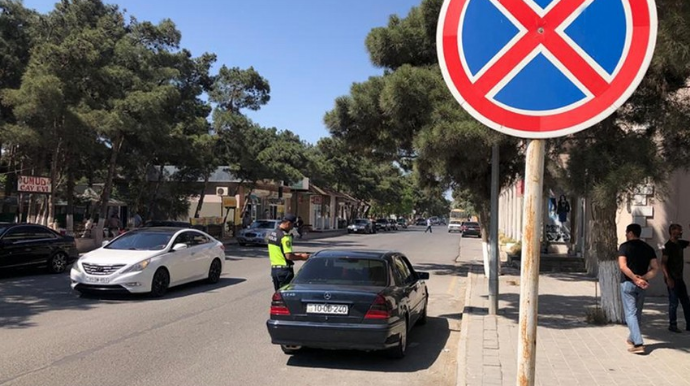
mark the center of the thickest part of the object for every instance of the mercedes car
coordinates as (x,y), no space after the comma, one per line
(350,299)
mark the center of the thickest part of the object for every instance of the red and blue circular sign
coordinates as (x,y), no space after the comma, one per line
(544,68)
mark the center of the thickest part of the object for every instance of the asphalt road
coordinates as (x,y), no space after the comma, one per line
(203,334)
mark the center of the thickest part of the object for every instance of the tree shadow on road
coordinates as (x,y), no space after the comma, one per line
(185,290)
(28,293)
(426,343)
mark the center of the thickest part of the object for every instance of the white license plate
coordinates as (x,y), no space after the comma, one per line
(332,309)
(97,280)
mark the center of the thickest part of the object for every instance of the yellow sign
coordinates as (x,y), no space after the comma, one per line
(229,202)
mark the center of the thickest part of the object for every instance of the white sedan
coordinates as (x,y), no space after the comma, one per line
(455,226)
(150,260)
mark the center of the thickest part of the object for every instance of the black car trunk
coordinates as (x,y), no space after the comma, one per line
(328,304)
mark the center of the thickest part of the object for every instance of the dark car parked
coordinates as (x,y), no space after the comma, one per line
(349,299)
(420,222)
(35,245)
(382,224)
(471,228)
(361,225)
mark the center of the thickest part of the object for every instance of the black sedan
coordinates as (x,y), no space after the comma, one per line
(35,245)
(348,299)
(361,225)
(382,224)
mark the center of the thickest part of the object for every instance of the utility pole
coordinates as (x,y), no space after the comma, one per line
(529,284)
(493,232)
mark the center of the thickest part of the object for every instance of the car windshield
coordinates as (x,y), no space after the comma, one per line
(360,222)
(263,225)
(382,220)
(141,241)
(343,271)
(456,222)
(472,224)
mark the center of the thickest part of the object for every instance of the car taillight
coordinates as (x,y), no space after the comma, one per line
(222,247)
(278,306)
(379,309)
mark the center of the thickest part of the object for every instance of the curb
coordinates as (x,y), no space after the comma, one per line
(464,332)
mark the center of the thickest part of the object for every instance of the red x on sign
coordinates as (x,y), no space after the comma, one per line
(542,32)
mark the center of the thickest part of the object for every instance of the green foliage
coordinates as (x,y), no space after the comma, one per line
(407,115)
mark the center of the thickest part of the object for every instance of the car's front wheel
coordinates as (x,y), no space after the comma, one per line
(214,272)
(290,350)
(58,263)
(160,283)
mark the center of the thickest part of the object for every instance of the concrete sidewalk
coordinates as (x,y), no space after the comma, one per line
(569,351)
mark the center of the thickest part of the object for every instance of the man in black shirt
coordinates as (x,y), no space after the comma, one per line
(637,262)
(672,266)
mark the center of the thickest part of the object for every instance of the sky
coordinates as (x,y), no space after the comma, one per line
(310,51)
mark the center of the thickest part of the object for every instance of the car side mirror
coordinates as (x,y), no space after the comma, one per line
(104,243)
(423,275)
(179,246)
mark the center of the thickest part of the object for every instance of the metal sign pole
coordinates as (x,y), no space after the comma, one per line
(529,283)
(493,231)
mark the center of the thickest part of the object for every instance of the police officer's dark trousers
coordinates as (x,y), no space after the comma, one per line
(281,276)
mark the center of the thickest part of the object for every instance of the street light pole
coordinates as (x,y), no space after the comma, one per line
(529,283)
(493,232)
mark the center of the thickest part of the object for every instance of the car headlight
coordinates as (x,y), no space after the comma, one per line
(140,266)
(76,266)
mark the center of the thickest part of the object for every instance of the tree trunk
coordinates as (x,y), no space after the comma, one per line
(200,204)
(105,195)
(154,196)
(30,213)
(484,220)
(70,203)
(54,166)
(603,247)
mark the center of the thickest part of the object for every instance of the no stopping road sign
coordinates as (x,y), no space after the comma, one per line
(544,68)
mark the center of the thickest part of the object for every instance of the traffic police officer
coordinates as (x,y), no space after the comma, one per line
(281,254)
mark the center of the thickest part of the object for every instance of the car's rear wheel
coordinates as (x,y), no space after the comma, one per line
(160,283)
(290,350)
(214,271)
(58,263)
(398,352)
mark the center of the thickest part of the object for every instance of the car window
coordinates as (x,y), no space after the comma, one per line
(42,233)
(18,234)
(183,238)
(263,225)
(343,271)
(403,268)
(144,241)
(198,238)
(361,222)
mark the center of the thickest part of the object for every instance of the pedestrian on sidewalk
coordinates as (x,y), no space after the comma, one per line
(672,266)
(428,226)
(280,252)
(638,264)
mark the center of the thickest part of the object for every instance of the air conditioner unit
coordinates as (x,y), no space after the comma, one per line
(222,191)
